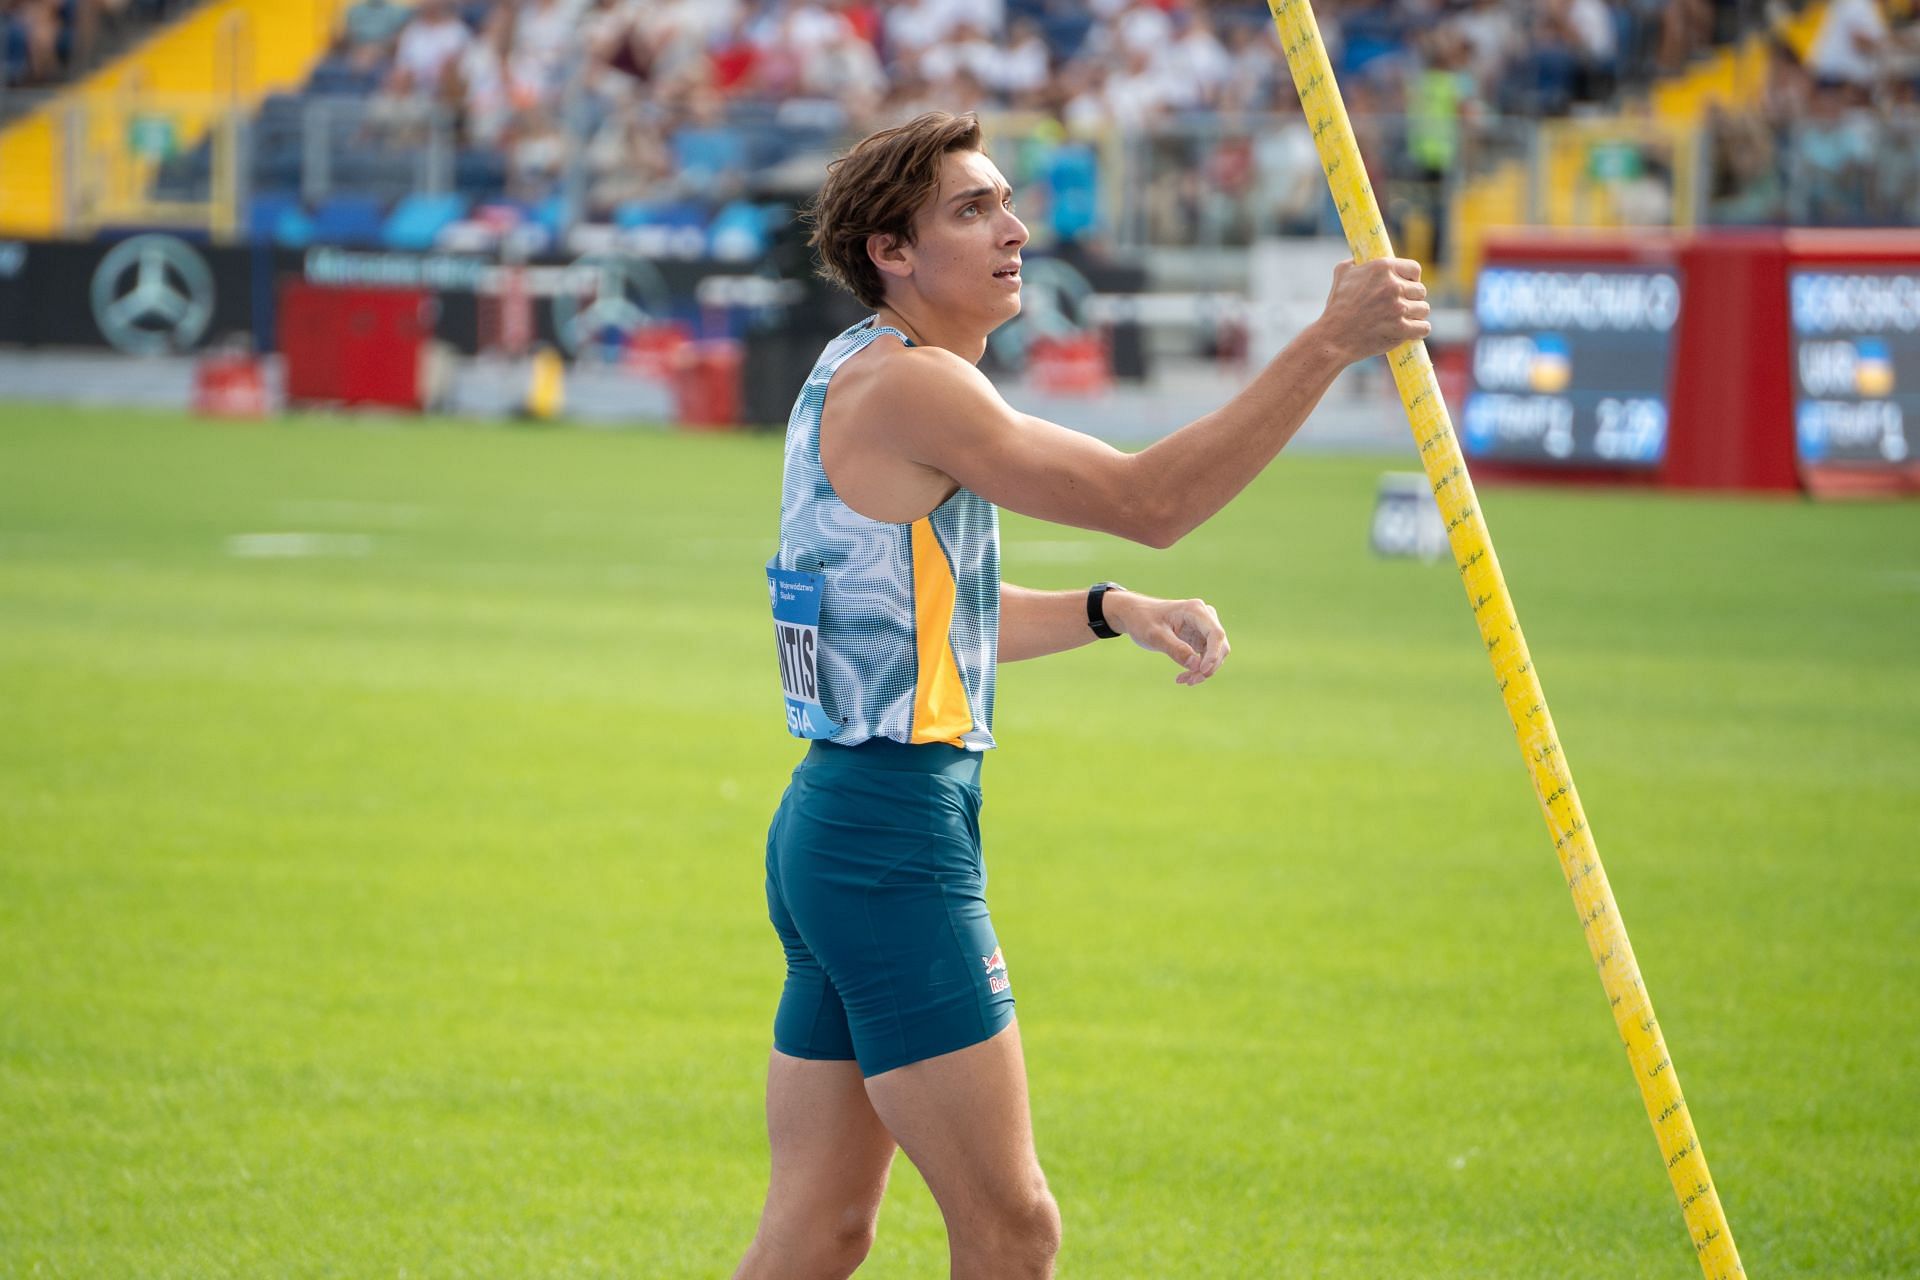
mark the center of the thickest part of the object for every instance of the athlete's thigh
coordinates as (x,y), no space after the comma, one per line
(831,1153)
(962,1119)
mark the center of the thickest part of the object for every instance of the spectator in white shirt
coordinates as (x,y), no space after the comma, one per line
(1085,86)
(1140,93)
(545,36)
(678,33)
(1289,189)
(968,50)
(1492,36)
(1025,64)
(428,49)
(847,69)
(495,82)
(810,27)
(915,25)
(1848,46)
(1145,28)
(1591,22)
(1196,64)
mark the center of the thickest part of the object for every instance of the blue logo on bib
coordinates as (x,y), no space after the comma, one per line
(796,632)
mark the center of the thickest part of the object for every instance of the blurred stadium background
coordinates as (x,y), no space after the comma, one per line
(382,793)
(615,181)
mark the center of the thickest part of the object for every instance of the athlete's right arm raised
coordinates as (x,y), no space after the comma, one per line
(942,413)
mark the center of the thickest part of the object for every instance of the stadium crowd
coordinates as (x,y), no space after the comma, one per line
(43,42)
(1835,138)
(1105,61)
(504,64)
(647,102)
(661,86)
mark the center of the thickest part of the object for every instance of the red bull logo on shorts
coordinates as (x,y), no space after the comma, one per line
(996,966)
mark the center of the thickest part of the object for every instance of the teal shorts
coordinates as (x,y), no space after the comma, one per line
(877,889)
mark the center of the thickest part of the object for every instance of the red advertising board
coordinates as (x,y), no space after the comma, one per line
(354,346)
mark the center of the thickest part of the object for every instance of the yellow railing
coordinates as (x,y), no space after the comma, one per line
(88,157)
(114,147)
(1620,171)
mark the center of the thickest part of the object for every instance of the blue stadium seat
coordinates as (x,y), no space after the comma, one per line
(738,232)
(705,154)
(419,220)
(551,213)
(654,213)
(293,228)
(351,220)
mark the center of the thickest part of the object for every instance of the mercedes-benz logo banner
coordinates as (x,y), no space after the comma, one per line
(158,293)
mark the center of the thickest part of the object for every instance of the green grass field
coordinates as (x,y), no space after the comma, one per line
(394,907)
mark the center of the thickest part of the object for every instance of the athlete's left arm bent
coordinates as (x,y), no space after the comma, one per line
(1036,623)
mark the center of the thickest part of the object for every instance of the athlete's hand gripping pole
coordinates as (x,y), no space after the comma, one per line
(1493,610)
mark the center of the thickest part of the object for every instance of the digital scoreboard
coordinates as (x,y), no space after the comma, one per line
(1856,364)
(1572,365)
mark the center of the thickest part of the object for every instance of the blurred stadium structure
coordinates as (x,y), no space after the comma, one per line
(614,176)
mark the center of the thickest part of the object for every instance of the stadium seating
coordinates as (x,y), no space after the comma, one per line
(419,219)
(353,154)
(279,219)
(355,221)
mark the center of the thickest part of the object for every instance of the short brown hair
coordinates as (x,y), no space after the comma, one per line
(876,189)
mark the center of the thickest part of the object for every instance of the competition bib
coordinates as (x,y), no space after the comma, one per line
(796,633)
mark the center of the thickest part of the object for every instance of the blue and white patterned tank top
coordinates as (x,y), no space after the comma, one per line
(910,615)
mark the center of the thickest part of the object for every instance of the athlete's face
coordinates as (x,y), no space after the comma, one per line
(965,257)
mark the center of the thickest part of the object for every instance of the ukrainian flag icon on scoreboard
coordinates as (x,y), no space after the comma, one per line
(1873,368)
(1551,369)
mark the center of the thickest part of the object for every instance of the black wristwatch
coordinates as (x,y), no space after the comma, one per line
(1097,609)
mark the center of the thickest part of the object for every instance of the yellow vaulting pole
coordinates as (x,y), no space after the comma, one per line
(1507,650)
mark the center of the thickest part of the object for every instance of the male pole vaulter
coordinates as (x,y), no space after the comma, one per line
(896,1023)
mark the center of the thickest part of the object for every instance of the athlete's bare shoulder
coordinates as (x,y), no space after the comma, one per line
(889,368)
(901,392)
(891,399)
(881,407)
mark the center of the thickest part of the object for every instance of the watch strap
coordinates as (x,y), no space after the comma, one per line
(1097,610)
